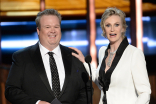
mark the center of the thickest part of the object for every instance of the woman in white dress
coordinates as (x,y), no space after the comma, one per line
(121,72)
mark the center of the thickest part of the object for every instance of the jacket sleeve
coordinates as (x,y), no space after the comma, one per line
(140,77)
(95,71)
(13,89)
(85,91)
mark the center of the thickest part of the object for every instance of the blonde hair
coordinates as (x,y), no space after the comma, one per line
(113,11)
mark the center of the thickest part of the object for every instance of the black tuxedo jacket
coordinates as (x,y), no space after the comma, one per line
(27,81)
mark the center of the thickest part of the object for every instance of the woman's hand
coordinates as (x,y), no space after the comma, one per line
(79,54)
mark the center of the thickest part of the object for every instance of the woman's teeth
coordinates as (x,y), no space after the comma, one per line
(112,34)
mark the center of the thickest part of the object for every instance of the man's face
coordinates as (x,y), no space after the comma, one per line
(49,32)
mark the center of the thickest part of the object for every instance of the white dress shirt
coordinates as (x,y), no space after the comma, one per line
(59,62)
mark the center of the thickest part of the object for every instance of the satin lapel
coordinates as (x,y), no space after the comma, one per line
(118,55)
(67,61)
(38,63)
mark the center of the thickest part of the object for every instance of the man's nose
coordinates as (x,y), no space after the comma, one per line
(52,30)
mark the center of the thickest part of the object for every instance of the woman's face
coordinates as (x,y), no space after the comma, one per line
(113,28)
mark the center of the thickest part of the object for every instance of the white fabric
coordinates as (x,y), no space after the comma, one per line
(129,80)
(38,101)
(59,63)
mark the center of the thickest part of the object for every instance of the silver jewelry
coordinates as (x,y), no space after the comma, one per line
(110,58)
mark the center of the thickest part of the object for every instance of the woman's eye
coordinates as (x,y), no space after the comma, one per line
(108,25)
(47,27)
(116,25)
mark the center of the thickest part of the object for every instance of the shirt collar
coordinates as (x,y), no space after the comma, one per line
(44,51)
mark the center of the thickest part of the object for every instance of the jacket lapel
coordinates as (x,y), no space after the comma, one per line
(38,63)
(67,61)
(105,78)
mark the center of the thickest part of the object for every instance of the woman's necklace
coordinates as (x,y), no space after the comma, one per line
(110,58)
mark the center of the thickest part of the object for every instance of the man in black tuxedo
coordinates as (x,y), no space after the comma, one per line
(30,77)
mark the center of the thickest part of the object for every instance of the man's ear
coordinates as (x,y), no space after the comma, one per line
(38,30)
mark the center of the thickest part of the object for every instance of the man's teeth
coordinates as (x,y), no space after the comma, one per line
(52,35)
